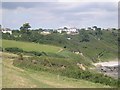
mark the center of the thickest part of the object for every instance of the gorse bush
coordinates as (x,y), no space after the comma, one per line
(13,49)
(18,50)
(91,76)
(1,49)
(35,53)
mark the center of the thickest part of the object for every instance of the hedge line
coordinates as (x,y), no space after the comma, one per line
(19,50)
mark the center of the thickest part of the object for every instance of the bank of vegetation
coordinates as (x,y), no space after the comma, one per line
(64,54)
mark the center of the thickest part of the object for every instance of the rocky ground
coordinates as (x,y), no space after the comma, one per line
(109,68)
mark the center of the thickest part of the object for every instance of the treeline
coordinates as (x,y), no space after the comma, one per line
(25,34)
(58,39)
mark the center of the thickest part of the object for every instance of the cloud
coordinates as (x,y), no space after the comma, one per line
(29,0)
(15,5)
(66,1)
(54,14)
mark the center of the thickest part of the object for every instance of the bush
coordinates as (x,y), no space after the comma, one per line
(16,50)
(1,49)
(13,49)
(91,76)
(36,53)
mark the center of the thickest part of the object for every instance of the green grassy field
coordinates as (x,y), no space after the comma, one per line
(14,77)
(30,46)
(46,48)
(94,48)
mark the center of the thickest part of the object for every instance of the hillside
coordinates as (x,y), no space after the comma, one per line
(89,43)
(70,56)
(24,78)
(27,46)
(50,50)
(70,65)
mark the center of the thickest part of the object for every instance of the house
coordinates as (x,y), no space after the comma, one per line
(45,32)
(76,52)
(6,30)
(68,30)
(60,30)
(68,38)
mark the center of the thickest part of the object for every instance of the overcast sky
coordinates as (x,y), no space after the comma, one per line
(59,14)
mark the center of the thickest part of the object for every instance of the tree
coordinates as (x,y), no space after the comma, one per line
(55,31)
(63,32)
(84,36)
(40,29)
(65,28)
(89,28)
(98,33)
(0,27)
(25,27)
(64,46)
(113,28)
(82,29)
(95,27)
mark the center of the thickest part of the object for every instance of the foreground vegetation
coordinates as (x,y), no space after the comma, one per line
(64,68)
(14,77)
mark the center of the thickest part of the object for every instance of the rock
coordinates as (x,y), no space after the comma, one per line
(81,66)
(63,67)
(34,61)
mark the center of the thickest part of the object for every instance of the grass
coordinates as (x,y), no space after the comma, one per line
(29,78)
(30,46)
(14,77)
(0,73)
(75,57)
(94,47)
(40,47)
(46,48)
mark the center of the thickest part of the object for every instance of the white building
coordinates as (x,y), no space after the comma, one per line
(60,30)
(6,30)
(68,30)
(45,32)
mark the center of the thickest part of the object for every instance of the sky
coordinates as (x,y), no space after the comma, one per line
(59,14)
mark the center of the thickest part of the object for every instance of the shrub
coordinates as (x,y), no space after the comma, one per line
(36,53)
(1,49)
(13,49)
